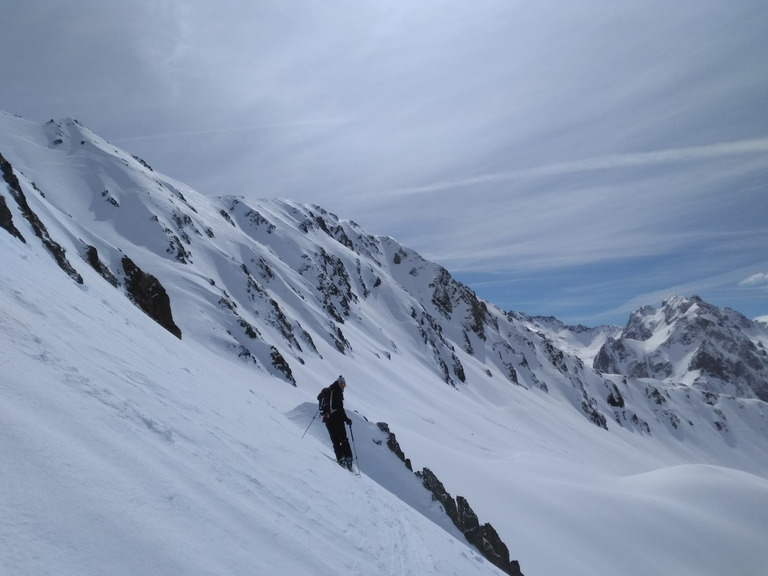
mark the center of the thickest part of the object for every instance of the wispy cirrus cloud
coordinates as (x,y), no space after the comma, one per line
(641,159)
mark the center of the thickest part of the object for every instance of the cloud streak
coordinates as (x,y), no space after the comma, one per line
(642,159)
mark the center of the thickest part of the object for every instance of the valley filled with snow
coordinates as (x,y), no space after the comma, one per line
(126,450)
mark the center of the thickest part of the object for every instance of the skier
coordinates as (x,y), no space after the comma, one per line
(332,411)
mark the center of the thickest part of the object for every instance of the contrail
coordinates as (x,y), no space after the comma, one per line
(655,157)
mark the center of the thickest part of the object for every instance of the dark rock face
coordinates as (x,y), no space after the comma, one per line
(439,493)
(6,220)
(59,254)
(278,361)
(484,538)
(148,294)
(92,257)
(394,445)
(615,398)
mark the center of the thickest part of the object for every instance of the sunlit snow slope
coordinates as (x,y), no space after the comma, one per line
(127,450)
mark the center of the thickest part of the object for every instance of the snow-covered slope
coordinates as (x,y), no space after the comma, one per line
(127,449)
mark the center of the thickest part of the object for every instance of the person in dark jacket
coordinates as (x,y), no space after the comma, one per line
(335,418)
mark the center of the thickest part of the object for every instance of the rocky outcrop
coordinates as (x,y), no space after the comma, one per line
(92,257)
(394,445)
(6,220)
(59,254)
(483,537)
(148,294)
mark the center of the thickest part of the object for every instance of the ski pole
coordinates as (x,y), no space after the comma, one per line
(354,448)
(310,423)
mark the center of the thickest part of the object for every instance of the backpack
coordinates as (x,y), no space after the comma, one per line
(324,403)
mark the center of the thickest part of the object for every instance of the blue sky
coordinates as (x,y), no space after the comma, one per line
(578,159)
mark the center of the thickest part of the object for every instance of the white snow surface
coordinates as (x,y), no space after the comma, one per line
(124,450)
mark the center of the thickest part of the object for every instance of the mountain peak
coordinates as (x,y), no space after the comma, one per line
(690,341)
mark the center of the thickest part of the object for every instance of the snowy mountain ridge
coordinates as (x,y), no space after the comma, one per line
(580,341)
(289,295)
(694,343)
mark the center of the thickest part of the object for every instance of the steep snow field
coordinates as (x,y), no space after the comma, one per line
(124,450)
(127,451)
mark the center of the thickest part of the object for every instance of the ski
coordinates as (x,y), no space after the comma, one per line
(354,470)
